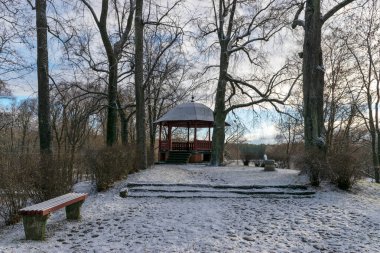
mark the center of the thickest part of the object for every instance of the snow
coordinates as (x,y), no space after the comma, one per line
(330,221)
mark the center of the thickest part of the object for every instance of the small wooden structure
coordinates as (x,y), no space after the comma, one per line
(191,116)
(35,216)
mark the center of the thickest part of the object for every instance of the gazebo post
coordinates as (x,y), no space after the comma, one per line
(195,136)
(188,136)
(169,137)
(159,138)
(209,136)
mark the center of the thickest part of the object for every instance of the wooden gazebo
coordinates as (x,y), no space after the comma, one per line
(189,115)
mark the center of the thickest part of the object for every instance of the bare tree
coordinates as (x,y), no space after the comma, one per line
(114,50)
(141,162)
(165,68)
(239,26)
(313,68)
(43,78)
(364,48)
(26,115)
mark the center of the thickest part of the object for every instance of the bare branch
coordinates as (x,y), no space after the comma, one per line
(335,9)
(31,5)
(297,21)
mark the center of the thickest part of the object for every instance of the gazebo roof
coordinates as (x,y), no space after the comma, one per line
(188,113)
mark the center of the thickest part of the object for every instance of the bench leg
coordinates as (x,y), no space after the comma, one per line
(35,226)
(73,211)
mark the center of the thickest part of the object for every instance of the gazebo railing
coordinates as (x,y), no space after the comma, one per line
(203,145)
(199,145)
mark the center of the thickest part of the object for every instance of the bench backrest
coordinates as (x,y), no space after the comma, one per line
(54,204)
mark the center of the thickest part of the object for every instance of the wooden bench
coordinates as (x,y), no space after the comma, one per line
(35,217)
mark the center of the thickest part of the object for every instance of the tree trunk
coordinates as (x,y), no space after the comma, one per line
(152,142)
(152,133)
(43,78)
(139,88)
(375,157)
(123,125)
(313,74)
(377,166)
(218,135)
(112,102)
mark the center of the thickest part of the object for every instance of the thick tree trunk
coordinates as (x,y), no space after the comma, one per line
(43,78)
(218,135)
(375,155)
(313,74)
(152,142)
(123,125)
(141,162)
(152,133)
(377,166)
(112,102)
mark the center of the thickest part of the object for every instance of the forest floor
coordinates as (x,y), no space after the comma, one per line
(330,220)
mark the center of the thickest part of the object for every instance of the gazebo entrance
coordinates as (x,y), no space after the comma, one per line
(192,117)
(198,150)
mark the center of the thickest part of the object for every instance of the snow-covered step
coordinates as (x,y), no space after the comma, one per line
(216,186)
(212,195)
(213,191)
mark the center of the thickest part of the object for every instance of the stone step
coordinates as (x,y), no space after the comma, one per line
(216,186)
(178,157)
(139,190)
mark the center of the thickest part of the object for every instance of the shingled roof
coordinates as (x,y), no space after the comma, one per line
(188,112)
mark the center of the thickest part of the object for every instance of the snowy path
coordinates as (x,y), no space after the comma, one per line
(332,221)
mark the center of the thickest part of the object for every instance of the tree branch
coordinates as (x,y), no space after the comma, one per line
(335,9)
(297,21)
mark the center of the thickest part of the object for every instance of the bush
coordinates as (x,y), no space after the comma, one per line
(16,185)
(28,178)
(344,168)
(314,165)
(111,164)
(54,177)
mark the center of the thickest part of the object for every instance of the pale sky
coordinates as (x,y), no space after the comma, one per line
(259,129)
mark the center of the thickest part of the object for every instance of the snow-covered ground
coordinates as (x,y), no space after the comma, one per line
(331,221)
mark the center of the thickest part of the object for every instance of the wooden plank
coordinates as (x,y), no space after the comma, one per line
(54,204)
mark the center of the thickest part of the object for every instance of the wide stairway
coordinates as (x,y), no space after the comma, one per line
(162,190)
(178,157)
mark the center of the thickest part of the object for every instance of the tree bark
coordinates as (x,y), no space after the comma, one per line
(141,156)
(123,125)
(377,166)
(43,78)
(313,75)
(112,103)
(218,135)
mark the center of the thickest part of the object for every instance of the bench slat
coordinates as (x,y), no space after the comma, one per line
(54,204)
(51,202)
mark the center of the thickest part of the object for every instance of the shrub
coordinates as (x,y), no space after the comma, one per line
(54,177)
(344,168)
(111,164)
(16,186)
(30,178)
(313,164)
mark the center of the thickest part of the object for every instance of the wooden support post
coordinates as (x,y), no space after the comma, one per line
(188,136)
(170,137)
(195,136)
(159,138)
(73,211)
(35,226)
(209,137)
